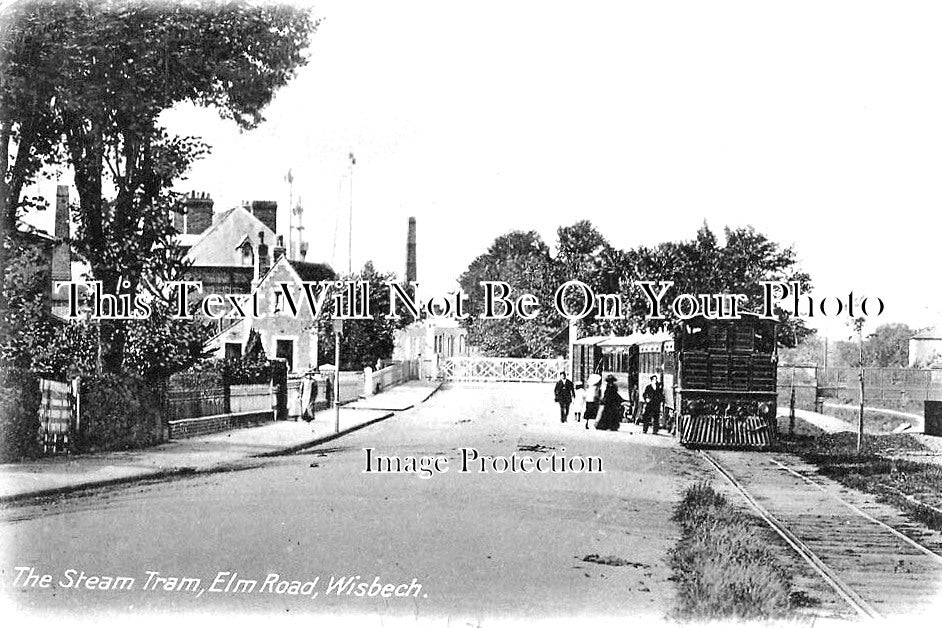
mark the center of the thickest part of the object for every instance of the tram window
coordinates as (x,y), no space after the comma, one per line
(695,338)
(764,338)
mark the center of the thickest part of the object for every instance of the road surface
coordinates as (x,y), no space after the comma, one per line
(477,545)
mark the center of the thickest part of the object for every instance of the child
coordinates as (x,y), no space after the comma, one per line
(578,403)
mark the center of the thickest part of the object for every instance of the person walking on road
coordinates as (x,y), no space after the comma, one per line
(307,396)
(653,398)
(563,394)
(611,407)
(593,395)
(578,404)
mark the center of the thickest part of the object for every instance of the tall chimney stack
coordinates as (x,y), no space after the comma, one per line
(410,252)
(61,254)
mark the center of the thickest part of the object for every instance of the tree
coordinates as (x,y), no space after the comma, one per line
(887,346)
(584,254)
(704,266)
(363,342)
(86,81)
(522,260)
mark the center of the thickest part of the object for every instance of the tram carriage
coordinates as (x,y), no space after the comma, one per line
(586,357)
(725,387)
(719,377)
(656,357)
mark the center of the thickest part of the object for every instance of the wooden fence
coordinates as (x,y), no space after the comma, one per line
(481,369)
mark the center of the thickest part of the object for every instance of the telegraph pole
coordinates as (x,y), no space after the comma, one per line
(858,324)
(338,329)
(353,162)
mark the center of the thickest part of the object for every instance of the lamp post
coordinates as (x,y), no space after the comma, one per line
(338,330)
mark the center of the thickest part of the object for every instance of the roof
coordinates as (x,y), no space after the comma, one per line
(591,340)
(217,246)
(636,338)
(310,271)
(932,333)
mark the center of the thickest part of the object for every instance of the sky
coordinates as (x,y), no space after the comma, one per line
(818,123)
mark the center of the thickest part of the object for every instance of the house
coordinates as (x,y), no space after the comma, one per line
(428,342)
(925,348)
(283,335)
(238,251)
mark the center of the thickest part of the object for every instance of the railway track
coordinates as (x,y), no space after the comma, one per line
(859,548)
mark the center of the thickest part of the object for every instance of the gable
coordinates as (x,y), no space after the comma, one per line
(219,245)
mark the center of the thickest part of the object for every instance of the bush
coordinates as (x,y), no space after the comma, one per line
(722,563)
(119,412)
(19,416)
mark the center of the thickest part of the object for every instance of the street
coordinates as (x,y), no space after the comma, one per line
(478,545)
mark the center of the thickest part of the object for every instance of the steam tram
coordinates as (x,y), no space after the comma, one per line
(719,377)
(725,382)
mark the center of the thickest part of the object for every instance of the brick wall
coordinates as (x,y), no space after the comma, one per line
(188,428)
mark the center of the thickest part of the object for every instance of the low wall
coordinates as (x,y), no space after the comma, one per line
(187,428)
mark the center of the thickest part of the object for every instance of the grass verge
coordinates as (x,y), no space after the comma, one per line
(881,468)
(724,565)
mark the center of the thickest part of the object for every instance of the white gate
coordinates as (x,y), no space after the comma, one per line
(480,369)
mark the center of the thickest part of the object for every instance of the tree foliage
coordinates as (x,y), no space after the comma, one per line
(701,265)
(363,342)
(522,260)
(86,81)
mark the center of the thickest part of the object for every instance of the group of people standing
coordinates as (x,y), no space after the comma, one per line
(585,400)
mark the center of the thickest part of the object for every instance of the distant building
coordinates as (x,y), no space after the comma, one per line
(428,342)
(925,348)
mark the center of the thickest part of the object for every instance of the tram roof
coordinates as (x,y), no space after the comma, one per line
(591,340)
(636,338)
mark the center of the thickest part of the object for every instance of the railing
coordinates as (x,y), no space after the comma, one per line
(480,369)
(902,389)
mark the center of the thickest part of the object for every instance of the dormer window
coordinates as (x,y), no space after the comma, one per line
(248,257)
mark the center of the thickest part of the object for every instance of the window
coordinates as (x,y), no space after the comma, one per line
(233,350)
(285,349)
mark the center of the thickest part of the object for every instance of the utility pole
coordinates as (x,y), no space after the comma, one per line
(858,324)
(338,330)
(353,162)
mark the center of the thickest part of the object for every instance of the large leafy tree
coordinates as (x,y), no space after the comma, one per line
(363,342)
(701,265)
(86,81)
(522,260)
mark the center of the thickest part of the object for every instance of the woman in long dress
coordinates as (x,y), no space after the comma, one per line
(611,407)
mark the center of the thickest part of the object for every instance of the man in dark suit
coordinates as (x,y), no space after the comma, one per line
(564,392)
(653,398)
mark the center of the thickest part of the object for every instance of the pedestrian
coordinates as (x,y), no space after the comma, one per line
(307,397)
(653,398)
(611,407)
(578,404)
(563,394)
(593,394)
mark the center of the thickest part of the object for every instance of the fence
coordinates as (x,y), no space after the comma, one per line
(901,389)
(390,376)
(481,369)
(55,415)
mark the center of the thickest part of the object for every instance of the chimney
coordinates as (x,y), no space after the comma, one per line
(410,252)
(199,212)
(279,251)
(261,257)
(267,212)
(61,254)
(303,250)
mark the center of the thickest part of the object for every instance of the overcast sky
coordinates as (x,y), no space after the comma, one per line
(819,123)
